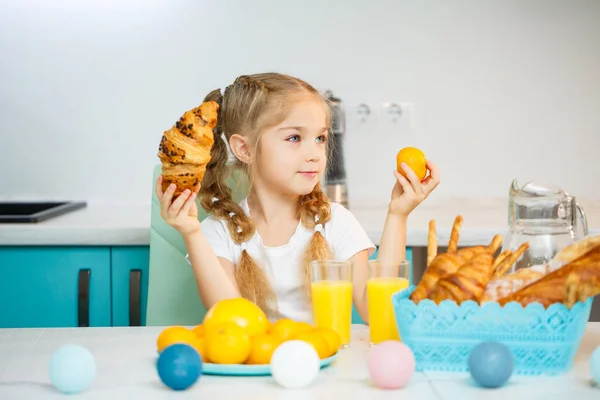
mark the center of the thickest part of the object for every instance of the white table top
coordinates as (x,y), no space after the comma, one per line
(129,224)
(125,370)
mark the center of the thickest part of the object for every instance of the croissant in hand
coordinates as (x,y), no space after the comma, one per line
(184,150)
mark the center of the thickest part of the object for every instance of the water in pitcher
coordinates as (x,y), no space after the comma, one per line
(545,216)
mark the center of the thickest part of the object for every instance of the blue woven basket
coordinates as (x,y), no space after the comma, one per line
(542,341)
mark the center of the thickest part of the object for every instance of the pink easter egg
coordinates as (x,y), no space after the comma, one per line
(391,364)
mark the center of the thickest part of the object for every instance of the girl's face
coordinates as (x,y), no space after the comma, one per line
(292,156)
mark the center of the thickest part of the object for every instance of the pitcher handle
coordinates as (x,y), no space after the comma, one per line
(583,219)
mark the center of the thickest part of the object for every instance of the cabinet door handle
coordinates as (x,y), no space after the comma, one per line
(83,298)
(135,288)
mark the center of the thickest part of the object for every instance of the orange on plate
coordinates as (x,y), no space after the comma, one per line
(415,159)
(262,348)
(332,338)
(285,328)
(303,327)
(315,340)
(226,343)
(200,346)
(240,311)
(175,334)
(199,330)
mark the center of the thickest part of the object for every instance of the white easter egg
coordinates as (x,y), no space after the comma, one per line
(295,364)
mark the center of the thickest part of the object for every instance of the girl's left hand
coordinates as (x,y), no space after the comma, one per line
(409,193)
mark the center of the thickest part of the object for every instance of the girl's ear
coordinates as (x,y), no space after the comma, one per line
(240,147)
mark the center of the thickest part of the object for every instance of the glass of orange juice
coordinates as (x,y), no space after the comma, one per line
(331,289)
(384,279)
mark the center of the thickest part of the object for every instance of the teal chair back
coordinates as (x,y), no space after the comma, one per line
(172,293)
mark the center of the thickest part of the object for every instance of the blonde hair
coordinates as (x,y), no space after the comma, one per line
(248,106)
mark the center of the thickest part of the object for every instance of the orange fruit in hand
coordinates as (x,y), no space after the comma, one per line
(240,311)
(332,338)
(315,340)
(262,348)
(415,159)
(227,343)
(175,334)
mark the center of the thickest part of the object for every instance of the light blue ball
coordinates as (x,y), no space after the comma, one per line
(491,364)
(72,369)
(595,365)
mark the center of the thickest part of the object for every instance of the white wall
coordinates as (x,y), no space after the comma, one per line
(500,88)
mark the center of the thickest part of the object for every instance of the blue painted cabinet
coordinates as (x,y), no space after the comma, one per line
(78,286)
(129,267)
(54,287)
(48,286)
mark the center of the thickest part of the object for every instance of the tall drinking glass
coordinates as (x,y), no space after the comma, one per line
(331,287)
(384,279)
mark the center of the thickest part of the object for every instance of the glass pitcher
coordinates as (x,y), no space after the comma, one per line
(545,216)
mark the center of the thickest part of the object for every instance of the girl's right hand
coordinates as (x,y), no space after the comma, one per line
(181,213)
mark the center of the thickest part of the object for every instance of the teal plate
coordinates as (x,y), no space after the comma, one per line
(249,370)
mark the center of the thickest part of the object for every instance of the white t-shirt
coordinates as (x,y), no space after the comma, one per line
(282,264)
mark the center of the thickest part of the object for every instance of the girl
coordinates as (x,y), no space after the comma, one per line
(277,129)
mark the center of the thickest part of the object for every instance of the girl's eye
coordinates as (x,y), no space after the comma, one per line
(294,138)
(322,139)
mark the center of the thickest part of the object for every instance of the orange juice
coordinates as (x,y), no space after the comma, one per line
(382,324)
(332,307)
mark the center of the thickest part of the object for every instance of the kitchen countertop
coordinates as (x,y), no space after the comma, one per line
(125,360)
(97,224)
(129,224)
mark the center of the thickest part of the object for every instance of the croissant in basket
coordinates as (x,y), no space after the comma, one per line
(457,274)
(502,286)
(473,273)
(576,281)
(184,149)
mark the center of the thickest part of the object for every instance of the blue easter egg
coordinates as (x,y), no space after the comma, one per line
(72,369)
(491,364)
(179,366)
(595,365)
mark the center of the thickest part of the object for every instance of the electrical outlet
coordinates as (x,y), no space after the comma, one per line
(361,116)
(398,118)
